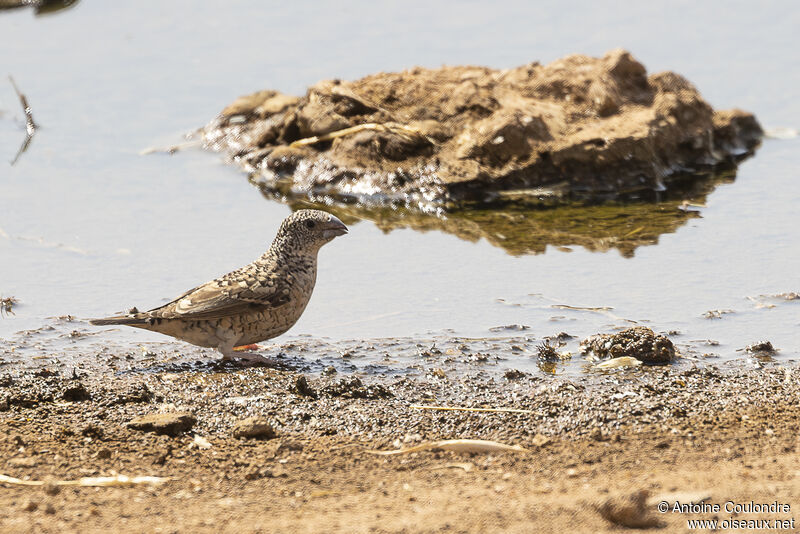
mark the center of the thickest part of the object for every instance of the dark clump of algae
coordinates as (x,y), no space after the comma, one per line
(521,222)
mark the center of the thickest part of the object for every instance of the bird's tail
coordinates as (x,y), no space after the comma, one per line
(119,319)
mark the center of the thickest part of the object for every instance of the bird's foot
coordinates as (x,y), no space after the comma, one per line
(242,348)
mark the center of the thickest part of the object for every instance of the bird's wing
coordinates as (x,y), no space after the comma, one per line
(226,296)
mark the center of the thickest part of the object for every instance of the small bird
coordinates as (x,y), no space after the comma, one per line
(254,303)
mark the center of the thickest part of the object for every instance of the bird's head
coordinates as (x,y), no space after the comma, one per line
(308,230)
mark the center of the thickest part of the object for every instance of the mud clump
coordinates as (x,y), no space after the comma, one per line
(135,393)
(762,348)
(762,351)
(92,430)
(302,387)
(638,342)
(513,374)
(76,393)
(29,399)
(354,388)
(579,127)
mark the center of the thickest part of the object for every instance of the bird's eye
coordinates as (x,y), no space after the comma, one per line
(310,224)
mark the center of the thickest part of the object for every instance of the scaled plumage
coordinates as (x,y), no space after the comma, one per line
(256,302)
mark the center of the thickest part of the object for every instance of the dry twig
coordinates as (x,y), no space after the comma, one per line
(118,480)
(400,129)
(457,445)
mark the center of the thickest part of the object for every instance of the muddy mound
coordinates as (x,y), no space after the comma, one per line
(579,127)
(638,342)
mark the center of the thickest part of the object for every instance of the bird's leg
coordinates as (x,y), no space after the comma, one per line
(227,351)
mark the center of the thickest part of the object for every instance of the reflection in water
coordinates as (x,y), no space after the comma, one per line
(526,225)
(41,7)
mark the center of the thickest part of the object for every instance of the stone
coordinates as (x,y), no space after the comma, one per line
(92,430)
(540,440)
(632,511)
(170,424)
(597,434)
(51,488)
(26,462)
(254,428)
(137,392)
(303,388)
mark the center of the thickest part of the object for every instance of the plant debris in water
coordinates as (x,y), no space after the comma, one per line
(7,305)
(30,124)
(716,314)
(547,352)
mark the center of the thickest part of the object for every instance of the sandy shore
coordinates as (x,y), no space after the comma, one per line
(702,432)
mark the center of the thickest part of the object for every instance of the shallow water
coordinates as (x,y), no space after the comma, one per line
(91,227)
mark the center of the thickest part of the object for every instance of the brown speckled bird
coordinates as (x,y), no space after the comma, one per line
(256,302)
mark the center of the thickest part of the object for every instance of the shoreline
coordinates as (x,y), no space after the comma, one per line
(593,442)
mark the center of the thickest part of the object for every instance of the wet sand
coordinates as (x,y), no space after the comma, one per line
(724,432)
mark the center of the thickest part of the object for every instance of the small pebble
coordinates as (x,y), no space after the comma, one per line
(254,427)
(51,488)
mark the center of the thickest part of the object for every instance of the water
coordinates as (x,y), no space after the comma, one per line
(91,227)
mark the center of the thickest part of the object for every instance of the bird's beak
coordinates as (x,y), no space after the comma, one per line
(333,228)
